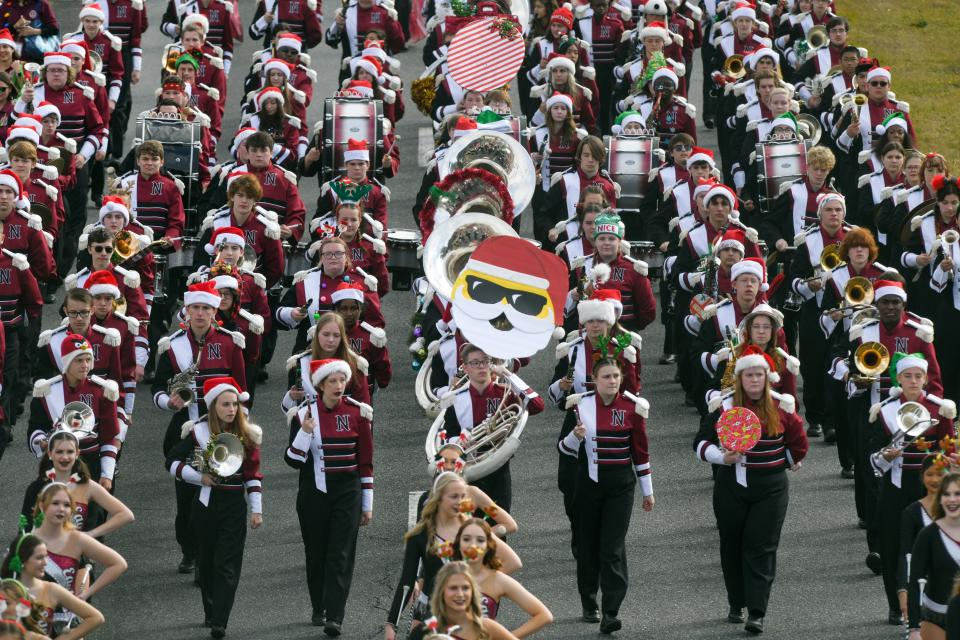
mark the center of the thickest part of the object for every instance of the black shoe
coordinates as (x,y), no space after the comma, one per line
(874,563)
(196,575)
(186,565)
(676,377)
(754,624)
(814,431)
(830,435)
(894,618)
(847,473)
(861,523)
(668,358)
(735,615)
(591,614)
(148,378)
(332,628)
(318,620)
(217,632)
(49,298)
(689,400)
(262,375)
(207,623)
(609,624)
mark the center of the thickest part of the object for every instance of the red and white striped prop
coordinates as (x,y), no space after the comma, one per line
(480,58)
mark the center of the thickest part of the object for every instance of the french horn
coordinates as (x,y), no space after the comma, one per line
(817,37)
(223,460)
(499,154)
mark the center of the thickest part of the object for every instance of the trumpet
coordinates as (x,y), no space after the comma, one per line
(871,359)
(733,67)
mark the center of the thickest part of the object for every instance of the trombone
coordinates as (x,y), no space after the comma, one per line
(733,67)
(858,296)
(871,359)
(829,260)
(912,421)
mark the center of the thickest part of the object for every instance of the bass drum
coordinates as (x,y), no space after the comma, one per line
(345,118)
(778,164)
(629,161)
(649,253)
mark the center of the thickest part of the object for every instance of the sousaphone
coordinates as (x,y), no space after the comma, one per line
(499,154)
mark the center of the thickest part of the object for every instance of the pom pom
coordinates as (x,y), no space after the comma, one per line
(875,411)
(572,400)
(599,272)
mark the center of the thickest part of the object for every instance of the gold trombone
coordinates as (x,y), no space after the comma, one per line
(858,295)
(733,67)
(871,359)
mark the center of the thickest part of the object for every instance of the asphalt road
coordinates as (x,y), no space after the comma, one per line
(823,590)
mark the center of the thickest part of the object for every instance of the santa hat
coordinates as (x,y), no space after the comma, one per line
(655,30)
(464,127)
(362,88)
(73,345)
(560,98)
(625,118)
(222,235)
(704,185)
(9,179)
(197,19)
(724,192)
(699,154)
(743,10)
(265,94)
(763,52)
(666,72)
(291,40)
(752,266)
(752,356)
(23,133)
(213,387)
(734,238)
(225,281)
(239,137)
(879,72)
(320,369)
(347,291)
(557,60)
(356,150)
(6,38)
(563,16)
(655,8)
(369,64)
(824,198)
(30,121)
(883,288)
(56,57)
(102,282)
(202,293)
(276,64)
(114,204)
(45,109)
(93,11)
(895,119)
(603,304)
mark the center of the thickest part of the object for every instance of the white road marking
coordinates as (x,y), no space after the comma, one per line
(424,146)
(413,497)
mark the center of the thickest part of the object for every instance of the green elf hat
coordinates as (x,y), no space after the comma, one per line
(785,120)
(895,119)
(900,361)
(609,222)
(488,116)
(625,118)
(189,59)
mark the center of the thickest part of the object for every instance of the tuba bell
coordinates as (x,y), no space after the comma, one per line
(499,154)
(809,129)
(733,67)
(871,359)
(950,236)
(223,459)
(77,418)
(817,37)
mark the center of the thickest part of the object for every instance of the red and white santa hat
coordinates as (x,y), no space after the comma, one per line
(734,238)
(884,288)
(45,109)
(560,98)
(223,235)
(763,52)
(743,10)
(224,281)
(75,47)
(94,10)
(465,126)
(30,120)
(603,304)
(56,57)
(73,345)
(879,72)
(320,369)
(347,291)
(213,387)
(666,72)
(6,38)
(239,137)
(558,60)
(290,40)
(101,283)
(724,192)
(753,356)
(114,204)
(369,64)
(9,179)
(23,133)
(704,185)
(699,154)
(202,293)
(562,16)
(362,88)
(276,64)
(751,266)
(655,30)
(825,198)
(197,19)
(266,94)
(356,150)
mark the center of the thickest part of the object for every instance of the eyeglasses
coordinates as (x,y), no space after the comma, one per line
(478,363)
(76,315)
(879,83)
(101,248)
(683,147)
(838,30)
(333,254)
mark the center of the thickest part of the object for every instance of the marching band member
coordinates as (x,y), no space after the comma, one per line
(214,18)
(356,19)
(897,459)
(898,331)
(872,185)
(473,403)
(893,129)
(476,545)
(933,564)
(233,315)
(174,102)
(672,172)
(610,444)
(193,39)
(603,30)
(62,464)
(201,98)
(328,341)
(365,340)
(284,19)
(205,350)
(750,491)
(22,231)
(879,105)
(915,517)
(27,561)
(894,212)
(220,513)
(270,115)
(356,159)
(43,196)
(561,72)
(948,202)
(107,45)
(796,207)
(926,242)
(592,204)
(428,546)
(370,69)
(21,306)
(677,210)
(556,141)
(808,281)
(335,497)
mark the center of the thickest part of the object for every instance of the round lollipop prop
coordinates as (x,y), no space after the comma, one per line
(738,429)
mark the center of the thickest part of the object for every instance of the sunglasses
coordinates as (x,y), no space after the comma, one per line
(683,147)
(879,83)
(525,302)
(101,248)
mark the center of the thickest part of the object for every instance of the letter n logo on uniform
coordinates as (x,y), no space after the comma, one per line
(156,188)
(343,423)
(214,351)
(618,417)
(4,276)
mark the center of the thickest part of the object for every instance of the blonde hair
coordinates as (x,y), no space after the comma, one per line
(239,428)
(439,608)
(47,494)
(428,516)
(821,158)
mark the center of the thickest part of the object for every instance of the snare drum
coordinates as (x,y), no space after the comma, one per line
(295,262)
(629,161)
(345,118)
(649,253)
(778,164)
(536,243)
(402,254)
(183,259)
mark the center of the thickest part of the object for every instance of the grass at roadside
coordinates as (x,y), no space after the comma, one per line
(918,41)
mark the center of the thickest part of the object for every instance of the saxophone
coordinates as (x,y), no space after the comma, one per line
(729,377)
(183,384)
